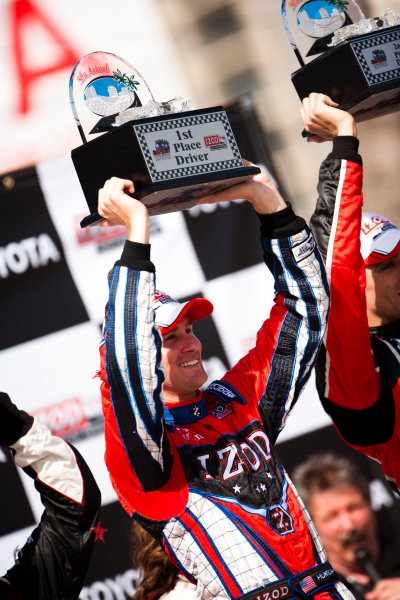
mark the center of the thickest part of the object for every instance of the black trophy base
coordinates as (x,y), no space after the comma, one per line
(361,74)
(183,193)
(172,160)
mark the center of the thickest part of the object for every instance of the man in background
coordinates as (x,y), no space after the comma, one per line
(337,496)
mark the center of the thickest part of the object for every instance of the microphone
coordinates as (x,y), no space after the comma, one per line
(364,560)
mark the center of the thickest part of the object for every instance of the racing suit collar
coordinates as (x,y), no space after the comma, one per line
(183,413)
(389,330)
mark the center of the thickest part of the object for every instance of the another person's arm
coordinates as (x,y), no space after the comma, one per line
(346,377)
(53,562)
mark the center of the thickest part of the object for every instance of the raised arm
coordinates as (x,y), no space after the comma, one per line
(139,456)
(288,342)
(53,562)
(279,366)
(336,225)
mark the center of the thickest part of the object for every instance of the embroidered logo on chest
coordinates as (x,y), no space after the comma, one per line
(196,410)
(222,410)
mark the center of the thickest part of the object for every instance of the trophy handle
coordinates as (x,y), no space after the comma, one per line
(72,102)
(289,34)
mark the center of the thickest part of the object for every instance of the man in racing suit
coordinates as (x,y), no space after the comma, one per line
(358,368)
(53,562)
(201,473)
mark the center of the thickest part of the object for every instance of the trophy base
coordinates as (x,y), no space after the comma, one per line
(362,74)
(181,194)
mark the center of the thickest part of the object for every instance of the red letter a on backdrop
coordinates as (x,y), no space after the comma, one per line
(24,14)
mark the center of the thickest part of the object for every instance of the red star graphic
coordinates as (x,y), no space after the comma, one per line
(99,532)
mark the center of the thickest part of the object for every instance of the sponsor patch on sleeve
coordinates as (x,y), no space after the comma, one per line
(225,391)
(304,249)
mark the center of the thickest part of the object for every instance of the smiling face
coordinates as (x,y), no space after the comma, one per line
(181,359)
(344,521)
(383,292)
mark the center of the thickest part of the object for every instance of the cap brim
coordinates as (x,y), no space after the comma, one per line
(388,246)
(196,309)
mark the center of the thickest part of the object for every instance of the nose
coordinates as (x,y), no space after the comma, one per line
(346,521)
(191,343)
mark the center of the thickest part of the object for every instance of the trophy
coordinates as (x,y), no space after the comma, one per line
(172,153)
(351,58)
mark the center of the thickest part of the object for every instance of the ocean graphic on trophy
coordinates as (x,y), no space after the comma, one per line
(342,53)
(174,154)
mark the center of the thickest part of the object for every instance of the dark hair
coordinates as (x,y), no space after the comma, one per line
(159,575)
(322,472)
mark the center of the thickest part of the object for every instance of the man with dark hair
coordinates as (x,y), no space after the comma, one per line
(53,562)
(337,496)
(358,368)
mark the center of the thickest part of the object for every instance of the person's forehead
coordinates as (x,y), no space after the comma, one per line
(183,323)
(323,500)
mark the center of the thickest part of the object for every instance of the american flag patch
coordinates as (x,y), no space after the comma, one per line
(307,584)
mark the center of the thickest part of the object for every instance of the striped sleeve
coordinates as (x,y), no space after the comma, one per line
(134,374)
(143,463)
(288,342)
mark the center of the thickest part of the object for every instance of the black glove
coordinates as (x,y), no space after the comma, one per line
(14,423)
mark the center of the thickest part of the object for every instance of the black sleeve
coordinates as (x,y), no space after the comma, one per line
(54,560)
(344,148)
(14,423)
(282,223)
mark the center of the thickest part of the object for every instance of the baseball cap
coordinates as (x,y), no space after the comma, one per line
(170,312)
(380,238)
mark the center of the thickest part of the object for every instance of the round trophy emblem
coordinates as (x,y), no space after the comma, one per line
(318,19)
(104,85)
(107,95)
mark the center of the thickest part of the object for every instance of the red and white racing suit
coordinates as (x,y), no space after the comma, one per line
(358,369)
(203,476)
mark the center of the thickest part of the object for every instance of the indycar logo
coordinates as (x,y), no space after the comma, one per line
(222,410)
(162,298)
